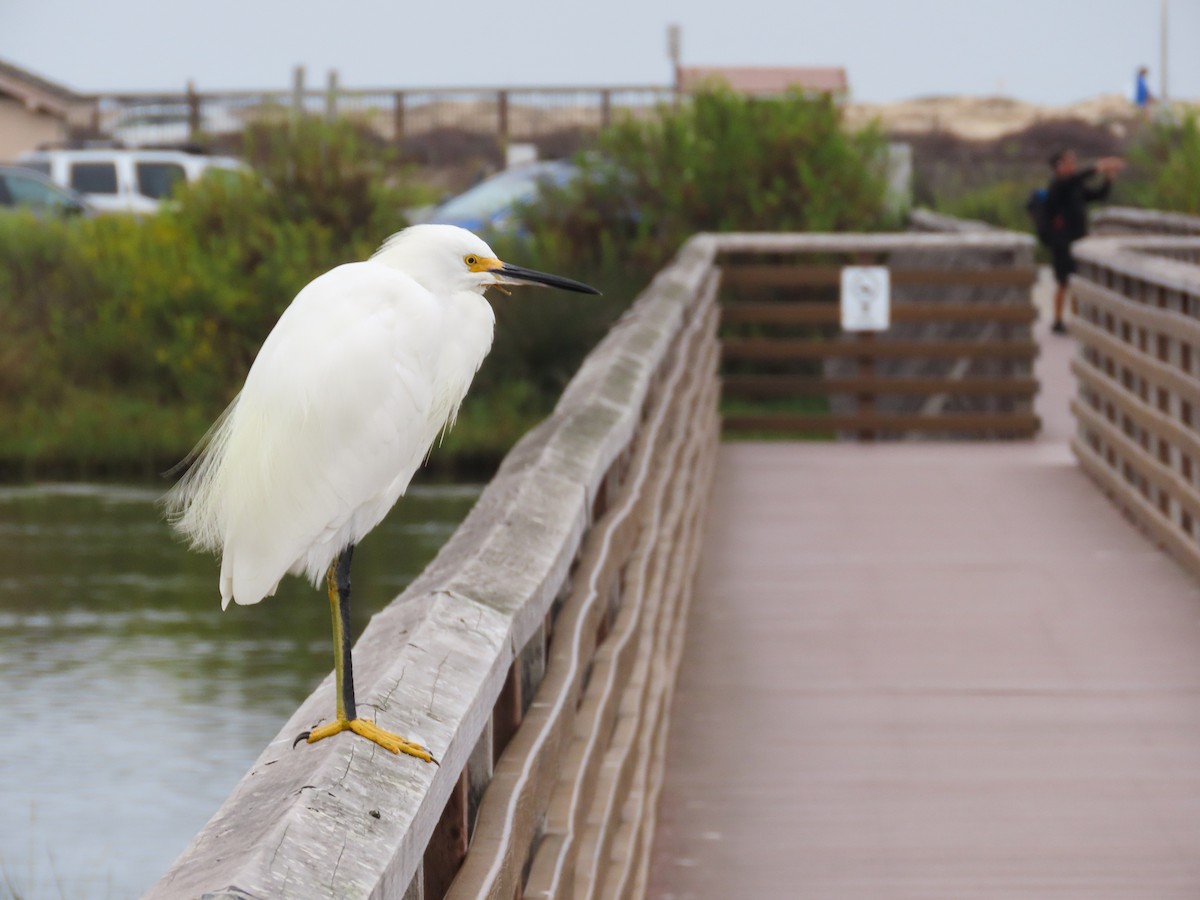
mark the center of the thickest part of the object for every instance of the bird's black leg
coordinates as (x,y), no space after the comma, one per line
(339,607)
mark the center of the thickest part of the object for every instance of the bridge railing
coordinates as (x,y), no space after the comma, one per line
(1138,406)
(536,654)
(957,360)
(1114,220)
(535,657)
(394,114)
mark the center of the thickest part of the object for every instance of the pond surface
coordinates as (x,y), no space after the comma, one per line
(131,705)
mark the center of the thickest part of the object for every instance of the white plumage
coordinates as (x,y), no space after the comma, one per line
(349,391)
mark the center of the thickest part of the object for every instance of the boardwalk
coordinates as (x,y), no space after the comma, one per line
(932,671)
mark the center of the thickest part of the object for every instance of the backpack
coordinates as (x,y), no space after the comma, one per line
(1039,211)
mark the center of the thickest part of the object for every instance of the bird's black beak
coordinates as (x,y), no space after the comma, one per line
(510,274)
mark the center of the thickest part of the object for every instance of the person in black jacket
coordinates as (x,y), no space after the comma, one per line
(1067,196)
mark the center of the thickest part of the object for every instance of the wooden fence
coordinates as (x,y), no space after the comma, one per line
(396,115)
(957,360)
(535,656)
(1138,406)
(1112,220)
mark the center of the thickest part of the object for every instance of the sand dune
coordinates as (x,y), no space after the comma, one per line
(985,118)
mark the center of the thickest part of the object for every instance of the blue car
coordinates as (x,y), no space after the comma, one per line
(22,188)
(489,205)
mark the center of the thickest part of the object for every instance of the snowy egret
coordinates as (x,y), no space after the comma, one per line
(352,386)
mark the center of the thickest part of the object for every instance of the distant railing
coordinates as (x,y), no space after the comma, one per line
(535,656)
(1138,368)
(509,114)
(956,361)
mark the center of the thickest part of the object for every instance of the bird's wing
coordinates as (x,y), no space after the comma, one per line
(330,426)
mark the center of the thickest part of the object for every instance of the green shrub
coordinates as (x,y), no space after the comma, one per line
(1165,166)
(125,337)
(115,318)
(717,162)
(1001,204)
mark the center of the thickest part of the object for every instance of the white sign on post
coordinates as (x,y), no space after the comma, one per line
(865,298)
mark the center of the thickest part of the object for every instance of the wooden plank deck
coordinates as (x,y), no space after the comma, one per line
(932,671)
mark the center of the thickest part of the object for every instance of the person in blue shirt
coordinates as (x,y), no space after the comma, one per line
(1142,98)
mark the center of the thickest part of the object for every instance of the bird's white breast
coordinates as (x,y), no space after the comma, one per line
(348,392)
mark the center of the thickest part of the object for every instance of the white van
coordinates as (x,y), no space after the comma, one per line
(134,181)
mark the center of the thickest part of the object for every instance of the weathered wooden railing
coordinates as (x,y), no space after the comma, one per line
(957,360)
(535,657)
(1138,406)
(394,114)
(1129,220)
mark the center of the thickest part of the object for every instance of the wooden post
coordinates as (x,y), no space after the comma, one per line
(605,108)
(506,715)
(448,843)
(398,117)
(297,92)
(331,96)
(502,121)
(675,53)
(480,767)
(866,369)
(193,102)
(866,360)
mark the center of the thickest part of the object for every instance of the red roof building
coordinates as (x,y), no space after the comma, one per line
(764,81)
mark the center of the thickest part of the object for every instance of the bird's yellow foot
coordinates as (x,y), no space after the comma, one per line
(371,732)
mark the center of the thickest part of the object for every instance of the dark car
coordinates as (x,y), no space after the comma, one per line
(26,189)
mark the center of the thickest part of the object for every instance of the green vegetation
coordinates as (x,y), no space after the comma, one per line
(1165,166)
(721,162)
(1001,204)
(126,337)
(1163,173)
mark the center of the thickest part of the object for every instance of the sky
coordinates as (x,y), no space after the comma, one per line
(1042,51)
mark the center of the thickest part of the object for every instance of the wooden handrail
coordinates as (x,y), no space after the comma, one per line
(1138,327)
(891,423)
(958,344)
(787,349)
(536,654)
(819,313)
(459,660)
(1126,220)
(798,385)
(749,276)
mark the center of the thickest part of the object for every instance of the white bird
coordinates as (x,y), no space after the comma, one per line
(362,372)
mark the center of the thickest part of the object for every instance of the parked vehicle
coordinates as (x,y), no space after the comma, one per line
(489,204)
(22,188)
(134,181)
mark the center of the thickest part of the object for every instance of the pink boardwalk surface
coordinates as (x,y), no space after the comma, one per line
(932,671)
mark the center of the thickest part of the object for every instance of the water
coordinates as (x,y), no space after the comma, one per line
(131,705)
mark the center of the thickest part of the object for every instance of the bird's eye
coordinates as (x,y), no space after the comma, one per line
(471,260)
